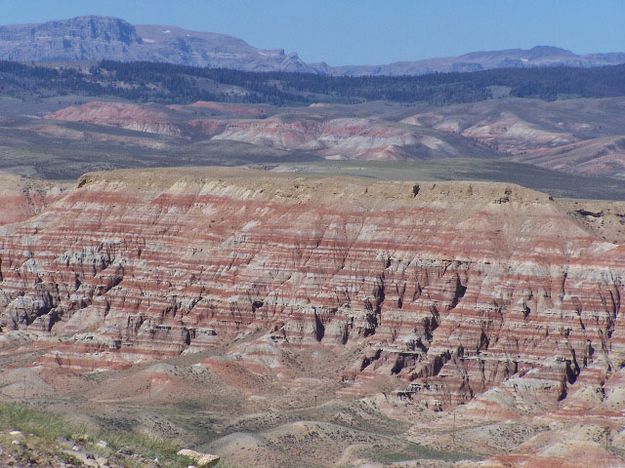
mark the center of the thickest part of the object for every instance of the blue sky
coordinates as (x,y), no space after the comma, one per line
(365,31)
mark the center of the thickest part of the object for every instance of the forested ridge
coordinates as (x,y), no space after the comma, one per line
(167,83)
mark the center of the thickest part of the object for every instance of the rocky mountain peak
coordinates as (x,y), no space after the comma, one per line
(86,28)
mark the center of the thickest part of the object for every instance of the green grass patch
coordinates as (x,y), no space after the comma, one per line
(45,430)
(148,447)
(16,416)
(410,451)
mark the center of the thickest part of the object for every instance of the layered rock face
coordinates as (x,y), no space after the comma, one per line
(454,287)
(82,38)
(103,38)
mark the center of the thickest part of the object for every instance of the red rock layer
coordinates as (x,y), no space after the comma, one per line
(456,287)
(119,114)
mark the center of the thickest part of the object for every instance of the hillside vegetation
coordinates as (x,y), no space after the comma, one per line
(167,83)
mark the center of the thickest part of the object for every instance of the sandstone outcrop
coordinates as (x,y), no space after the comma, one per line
(203,460)
(456,288)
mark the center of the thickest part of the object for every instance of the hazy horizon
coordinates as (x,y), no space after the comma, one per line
(374,32)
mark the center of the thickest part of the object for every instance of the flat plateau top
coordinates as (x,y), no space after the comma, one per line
(247,183)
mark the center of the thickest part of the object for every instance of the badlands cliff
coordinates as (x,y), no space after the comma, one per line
(456,288)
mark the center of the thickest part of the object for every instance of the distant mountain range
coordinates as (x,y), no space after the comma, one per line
(92,38)
(540,56)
